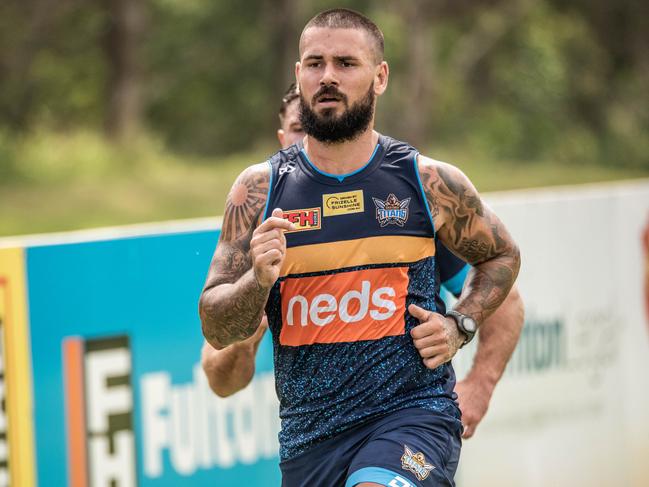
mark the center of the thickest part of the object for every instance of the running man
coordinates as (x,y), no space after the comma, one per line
(231,369)
(337,242)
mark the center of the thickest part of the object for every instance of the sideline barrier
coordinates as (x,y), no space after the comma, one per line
(100,331)
(117,388)
(573,406)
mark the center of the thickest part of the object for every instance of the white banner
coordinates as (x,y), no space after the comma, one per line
(573,406)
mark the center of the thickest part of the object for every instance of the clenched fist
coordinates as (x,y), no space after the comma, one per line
(268,248)
(437,337)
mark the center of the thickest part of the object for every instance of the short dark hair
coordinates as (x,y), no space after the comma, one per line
(290,95)
(344,18)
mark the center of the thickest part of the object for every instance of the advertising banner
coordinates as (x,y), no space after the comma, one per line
(572,407)
(120,398)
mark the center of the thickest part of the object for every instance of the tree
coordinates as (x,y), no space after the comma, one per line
(121,42)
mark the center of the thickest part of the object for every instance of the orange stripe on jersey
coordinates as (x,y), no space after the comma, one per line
(351,253)
(344,307)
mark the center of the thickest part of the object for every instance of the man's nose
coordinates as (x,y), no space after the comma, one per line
(329,76)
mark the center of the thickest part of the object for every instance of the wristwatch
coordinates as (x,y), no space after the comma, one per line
(465,324)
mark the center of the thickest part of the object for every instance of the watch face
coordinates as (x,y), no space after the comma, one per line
(469,324)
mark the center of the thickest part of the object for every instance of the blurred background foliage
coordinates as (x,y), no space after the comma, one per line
(117,111)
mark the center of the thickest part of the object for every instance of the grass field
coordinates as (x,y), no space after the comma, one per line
(167,187)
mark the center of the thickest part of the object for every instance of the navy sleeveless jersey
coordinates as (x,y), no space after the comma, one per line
(362,251)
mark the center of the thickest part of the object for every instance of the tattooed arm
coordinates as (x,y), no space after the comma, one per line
(472,231)
(246,262)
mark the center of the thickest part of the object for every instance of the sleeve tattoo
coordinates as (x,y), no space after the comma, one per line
(473,232)
(232,301)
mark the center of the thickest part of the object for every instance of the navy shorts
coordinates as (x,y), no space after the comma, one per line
(406,448)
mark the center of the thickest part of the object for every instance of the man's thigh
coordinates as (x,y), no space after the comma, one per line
(409,456)
(327,464)
(376,453)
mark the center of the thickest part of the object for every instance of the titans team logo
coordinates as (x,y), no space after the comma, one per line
(415,463)
(391,211)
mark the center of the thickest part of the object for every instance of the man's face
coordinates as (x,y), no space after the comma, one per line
(339,80)
(291,131)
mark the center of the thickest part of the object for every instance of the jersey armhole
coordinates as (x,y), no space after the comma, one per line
(455,284)
(270,188)
(423,193)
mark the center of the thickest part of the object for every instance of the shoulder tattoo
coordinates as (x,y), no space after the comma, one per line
(245,203)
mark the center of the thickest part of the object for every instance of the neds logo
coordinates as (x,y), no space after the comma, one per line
(99,403)
(344,307)
(323,308)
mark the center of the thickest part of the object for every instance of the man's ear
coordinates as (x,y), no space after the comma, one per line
(381,78)
(281,136)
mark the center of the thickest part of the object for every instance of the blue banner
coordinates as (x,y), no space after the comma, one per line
(118,390)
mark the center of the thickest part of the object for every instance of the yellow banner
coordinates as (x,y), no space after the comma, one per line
(16,420)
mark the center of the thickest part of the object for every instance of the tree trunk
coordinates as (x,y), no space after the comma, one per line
(123,90)
(419,66)
(282,16)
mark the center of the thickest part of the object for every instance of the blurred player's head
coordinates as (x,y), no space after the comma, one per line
(340,73)
(290,129)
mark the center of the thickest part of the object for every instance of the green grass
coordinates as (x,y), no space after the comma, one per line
(149,184)
(177,191)
(506,176)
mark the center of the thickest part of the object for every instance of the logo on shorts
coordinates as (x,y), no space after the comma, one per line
(307,219)
(415,463)
(391,211)
(343,203)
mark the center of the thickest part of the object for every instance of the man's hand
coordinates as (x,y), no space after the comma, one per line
(473,398)
(268,248)
(437,337)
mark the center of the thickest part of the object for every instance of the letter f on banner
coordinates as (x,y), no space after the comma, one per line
(99,412)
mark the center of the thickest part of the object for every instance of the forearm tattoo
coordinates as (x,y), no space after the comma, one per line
(236,313)
(473,232)
(232,301)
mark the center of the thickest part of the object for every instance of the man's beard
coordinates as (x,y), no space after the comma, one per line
(330,129)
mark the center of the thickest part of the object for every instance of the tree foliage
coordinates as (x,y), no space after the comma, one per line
(517,79)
